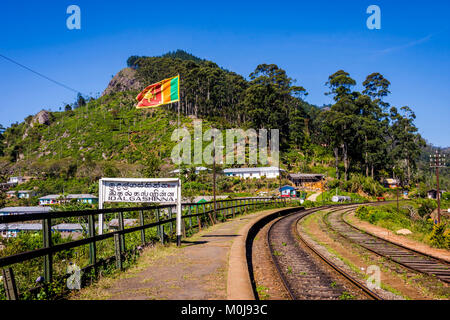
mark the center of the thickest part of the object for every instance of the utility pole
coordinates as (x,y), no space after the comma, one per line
(279,178)
(438,161)
(398,209)
(214,176)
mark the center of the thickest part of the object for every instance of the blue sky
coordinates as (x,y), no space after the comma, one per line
(309,39)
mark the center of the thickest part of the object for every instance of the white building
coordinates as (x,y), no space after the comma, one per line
(268,172)
(197,170)
(16,180)
(26,194)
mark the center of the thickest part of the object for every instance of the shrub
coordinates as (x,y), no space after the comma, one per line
(439,238)
(359,183)
(426,206)
(362,212)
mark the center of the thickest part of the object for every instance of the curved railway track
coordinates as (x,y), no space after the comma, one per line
(406,257)
(302,275)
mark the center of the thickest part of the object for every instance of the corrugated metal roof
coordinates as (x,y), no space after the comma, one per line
(69,196)
(51,197)
(38,226)
(81,196)
(21,226)
(25,210)
(68,226)
(287,188)
(306,175)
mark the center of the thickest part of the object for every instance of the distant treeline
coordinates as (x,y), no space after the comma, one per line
(364,132)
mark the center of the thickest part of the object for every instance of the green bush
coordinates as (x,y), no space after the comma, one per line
(362,212)
(446,196)
(426,206)
(439,238)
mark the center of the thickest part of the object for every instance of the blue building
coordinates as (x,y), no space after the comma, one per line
(288,192)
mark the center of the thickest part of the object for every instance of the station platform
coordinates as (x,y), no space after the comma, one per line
(210,265)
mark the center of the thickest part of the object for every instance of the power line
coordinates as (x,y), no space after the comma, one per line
(40,74)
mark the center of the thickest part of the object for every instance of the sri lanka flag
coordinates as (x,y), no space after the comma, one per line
(160,93)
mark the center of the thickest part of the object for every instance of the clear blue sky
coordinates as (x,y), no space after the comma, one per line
(309,39)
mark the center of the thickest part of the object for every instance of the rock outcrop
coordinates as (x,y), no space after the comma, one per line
(123,81)
(43,117)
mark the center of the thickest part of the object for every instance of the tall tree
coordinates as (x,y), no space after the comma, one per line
(405,142)
(2,139)
(342,118)
(272,101)
(376,123)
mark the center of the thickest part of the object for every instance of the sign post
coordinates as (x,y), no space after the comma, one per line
(136,190)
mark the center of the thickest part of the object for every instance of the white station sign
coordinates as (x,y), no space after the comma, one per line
(135,190)
(120,191)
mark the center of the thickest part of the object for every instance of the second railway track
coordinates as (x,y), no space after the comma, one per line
(305,273)
(406,257)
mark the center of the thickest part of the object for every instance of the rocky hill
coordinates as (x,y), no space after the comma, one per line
(124,80)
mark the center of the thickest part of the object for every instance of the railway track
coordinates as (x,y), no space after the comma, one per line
(406,257)
(305,273)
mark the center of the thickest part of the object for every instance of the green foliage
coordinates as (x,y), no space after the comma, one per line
(359,183)
(439,237)
(151,166)
(426,206)
(388,217)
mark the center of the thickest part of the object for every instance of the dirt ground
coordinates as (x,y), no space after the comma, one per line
(196,271)
(397,283)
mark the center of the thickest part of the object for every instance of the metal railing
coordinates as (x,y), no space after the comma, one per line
(194,216)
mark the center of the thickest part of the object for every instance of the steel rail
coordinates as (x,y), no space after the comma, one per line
(339,270)
(421,258)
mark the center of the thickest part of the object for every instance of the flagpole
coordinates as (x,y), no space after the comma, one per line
(179,207)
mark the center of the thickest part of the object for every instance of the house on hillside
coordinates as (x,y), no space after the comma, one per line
(50,199)
(197,170)
(11,230)
(432,194)
(314,181)
(23,210)
(288,192)
(258,173)
(11,194)
(15,180)
(26,194)
(55,199)
(74,230)
(391,183)
(19,180)
(83,198)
